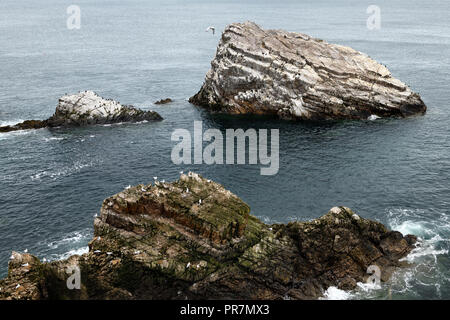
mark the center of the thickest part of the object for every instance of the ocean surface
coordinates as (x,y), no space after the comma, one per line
(52,182)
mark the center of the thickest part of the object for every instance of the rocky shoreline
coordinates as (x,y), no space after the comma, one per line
(86,108)
(295,76)
(193,239)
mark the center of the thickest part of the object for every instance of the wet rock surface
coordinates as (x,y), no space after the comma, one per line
(294,76)
(26,125)
(194,239)
(164,101)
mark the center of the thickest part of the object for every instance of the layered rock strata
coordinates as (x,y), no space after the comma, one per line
(194,239)
(295,76)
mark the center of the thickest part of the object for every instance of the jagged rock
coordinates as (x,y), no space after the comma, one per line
(295,76)
(164,101)
(161,242)
(87,108)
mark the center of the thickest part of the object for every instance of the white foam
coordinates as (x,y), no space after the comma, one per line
(12,134)
(52,139)
(433,242)
(78,251)
(10,122)
(72,238)
(333,293)
(62,172)
(373,117)
(368,287)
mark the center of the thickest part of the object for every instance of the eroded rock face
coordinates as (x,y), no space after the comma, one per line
(86,108)
(298,77)
(195,239)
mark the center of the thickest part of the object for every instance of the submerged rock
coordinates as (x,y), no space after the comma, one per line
(194,239)
(87,108)
(164,101)
(295,76)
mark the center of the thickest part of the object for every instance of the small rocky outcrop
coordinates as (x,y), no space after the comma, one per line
(26,125)
(164,101)
(295,76)
(194,239)
(87,108)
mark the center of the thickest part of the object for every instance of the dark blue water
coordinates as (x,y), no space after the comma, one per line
(137,52)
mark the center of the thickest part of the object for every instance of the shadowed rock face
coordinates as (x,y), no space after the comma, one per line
(195,239)
(87,108)
(298,77)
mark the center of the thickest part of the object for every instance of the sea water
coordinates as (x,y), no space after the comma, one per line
(52,182)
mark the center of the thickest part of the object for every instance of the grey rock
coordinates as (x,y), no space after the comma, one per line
(87,108)
(295,76)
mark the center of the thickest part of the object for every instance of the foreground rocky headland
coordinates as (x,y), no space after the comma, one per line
(295,76)
(87,108)
(194,239)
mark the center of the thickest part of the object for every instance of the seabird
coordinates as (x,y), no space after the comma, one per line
(187,190)
(109,253)
(128,187)
(25,265)
(188,265)
(97,251)
(155,178)
(211,28)
(199,201)
(137,252)
(12,257)
(95,215)
(26,250)
(44,260)
(143,190)
(18,286)
(181,172)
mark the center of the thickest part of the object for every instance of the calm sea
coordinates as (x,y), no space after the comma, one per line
(53,182)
